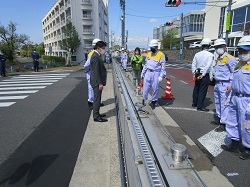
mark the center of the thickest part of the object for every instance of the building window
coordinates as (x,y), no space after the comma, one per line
(86,14)
(239,15)
(248,14)
(87,28)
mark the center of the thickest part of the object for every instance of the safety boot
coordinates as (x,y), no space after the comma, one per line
(215,122)
(221,128)
(152,104)
(245,154)
(90,104)
(233,147)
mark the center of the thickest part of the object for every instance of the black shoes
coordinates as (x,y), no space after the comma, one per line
(203,109)
(90,104)
(102,104)
(103,115)
(194,105)
(233,147)
(100,119)
(221,128)
(152,104)
(245,154)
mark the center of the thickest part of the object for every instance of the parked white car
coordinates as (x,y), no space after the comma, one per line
(195,45)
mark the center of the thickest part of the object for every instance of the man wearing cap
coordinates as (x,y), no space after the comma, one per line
(200,70)
(223,76)
(153,71)
(237,125)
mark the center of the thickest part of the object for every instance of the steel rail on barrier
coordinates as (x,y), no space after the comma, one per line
(153,172)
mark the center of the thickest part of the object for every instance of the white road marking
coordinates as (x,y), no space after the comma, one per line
(19,92)
(61,74)
(5,104)
(23,88)
(33,78)
(212,141)
(189,109)
(27,82)
(183,82)
(172,76)
(37,84)
(13,97)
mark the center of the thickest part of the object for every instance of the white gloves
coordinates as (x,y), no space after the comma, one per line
(159,79)
(248,109)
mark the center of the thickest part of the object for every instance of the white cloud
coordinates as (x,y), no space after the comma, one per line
(152,20)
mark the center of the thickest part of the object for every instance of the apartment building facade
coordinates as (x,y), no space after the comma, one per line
(193,24)
(90,18)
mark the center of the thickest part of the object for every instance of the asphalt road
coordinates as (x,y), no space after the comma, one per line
(41,135)
(197,124)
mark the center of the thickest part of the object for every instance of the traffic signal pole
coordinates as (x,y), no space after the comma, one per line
(122,3)
(228,20)
(181,38)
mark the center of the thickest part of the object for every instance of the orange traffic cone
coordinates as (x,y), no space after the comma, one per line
(141,85)
(167,94)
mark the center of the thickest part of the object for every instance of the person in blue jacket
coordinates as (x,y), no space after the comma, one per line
(2,64)
(35,57)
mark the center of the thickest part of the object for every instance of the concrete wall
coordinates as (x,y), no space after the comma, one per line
(187,55)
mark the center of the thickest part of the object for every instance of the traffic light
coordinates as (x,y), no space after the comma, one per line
(169,23)
(173,3)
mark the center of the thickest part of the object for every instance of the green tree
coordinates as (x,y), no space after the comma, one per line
(10,40)
(40,49)
(169,39)
(70,41)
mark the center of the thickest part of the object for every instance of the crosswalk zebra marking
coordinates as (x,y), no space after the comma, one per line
(25,84)
(23,88)
(13,97)
(6,104)
(18,92)
(32,84)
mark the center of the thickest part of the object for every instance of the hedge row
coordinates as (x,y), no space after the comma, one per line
(53,58)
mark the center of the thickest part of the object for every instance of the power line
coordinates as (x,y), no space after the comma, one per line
(212,7)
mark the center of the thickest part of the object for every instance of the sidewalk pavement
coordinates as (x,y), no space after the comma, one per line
(98,160)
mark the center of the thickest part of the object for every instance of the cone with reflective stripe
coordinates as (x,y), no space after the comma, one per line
(167,94)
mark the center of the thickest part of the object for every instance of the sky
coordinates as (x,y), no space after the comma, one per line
(141,17)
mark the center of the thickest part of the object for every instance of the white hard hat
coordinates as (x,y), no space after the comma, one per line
(220,41)
(95,41)
(206,41)
(122,49)
(244,43)
(153,43)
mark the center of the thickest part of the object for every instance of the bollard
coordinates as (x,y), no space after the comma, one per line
(178,152)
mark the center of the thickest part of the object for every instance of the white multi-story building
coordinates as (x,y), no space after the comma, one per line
(90,18)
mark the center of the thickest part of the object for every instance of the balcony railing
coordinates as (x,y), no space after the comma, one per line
(86,16)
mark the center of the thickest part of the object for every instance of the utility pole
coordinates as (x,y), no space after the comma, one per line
(112,43)
(181,38)
(122,4)
(228,19)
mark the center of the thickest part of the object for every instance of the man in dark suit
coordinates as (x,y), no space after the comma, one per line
(98,79)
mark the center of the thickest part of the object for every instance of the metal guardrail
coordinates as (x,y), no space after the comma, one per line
(147,156)
(142,163)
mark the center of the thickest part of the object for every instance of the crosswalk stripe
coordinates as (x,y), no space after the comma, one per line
(31,79)
(5,104)
(61,74)
(27,81)
(32,84)
(13,97)
(23,88)
(19,92)
(212,141)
